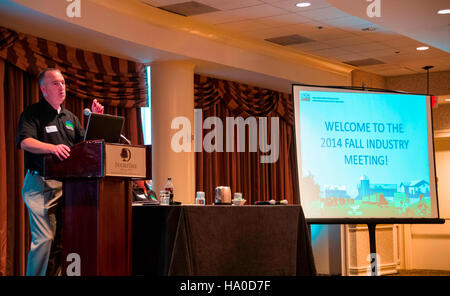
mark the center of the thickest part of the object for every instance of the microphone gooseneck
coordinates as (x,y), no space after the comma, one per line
(126,140)
(87,112)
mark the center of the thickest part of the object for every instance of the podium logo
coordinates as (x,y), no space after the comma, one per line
(374,9)
(74,8)
(125,154)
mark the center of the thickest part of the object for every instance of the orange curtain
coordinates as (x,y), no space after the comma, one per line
(17,89)
(243,171)
(120,85)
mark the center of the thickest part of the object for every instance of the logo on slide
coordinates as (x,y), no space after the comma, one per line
(305,97)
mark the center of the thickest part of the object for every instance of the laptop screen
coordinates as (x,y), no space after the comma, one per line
(104,126)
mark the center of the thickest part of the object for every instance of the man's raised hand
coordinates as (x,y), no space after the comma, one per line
(97,107)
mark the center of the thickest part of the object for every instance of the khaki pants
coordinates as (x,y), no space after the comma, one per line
(44,202)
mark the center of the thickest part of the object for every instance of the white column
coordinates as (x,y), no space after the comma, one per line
(172,93)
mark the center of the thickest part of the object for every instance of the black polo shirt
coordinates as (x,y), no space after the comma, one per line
(42,122)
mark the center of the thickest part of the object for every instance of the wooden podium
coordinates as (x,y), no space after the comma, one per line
(97,191)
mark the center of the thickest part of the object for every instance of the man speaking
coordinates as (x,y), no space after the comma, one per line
(47,128)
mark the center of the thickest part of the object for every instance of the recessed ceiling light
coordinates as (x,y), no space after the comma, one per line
(303,4)
(444,11)
(422,48)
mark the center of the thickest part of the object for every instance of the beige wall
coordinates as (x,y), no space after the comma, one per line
(370,80)
(427,245)
(439,84)
(441,117)
(430,244)
(442,154)
(417,83)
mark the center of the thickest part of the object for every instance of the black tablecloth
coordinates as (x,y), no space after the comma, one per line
(221,241)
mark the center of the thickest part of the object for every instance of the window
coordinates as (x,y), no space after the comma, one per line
(146,113)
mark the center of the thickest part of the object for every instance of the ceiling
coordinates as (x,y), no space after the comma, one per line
(274,69)
(387,47)
(416,19)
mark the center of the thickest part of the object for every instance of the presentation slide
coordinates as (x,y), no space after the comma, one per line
(364,154)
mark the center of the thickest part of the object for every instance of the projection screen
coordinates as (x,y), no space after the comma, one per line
(364,154)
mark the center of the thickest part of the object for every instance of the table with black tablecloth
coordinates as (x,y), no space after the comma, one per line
(221,241)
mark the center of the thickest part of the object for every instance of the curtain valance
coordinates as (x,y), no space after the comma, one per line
(110,80)
(243,100)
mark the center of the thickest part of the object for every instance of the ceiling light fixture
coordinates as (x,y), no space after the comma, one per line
(303,4)
(422,48)
(444,11)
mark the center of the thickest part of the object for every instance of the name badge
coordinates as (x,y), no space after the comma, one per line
(51,129)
